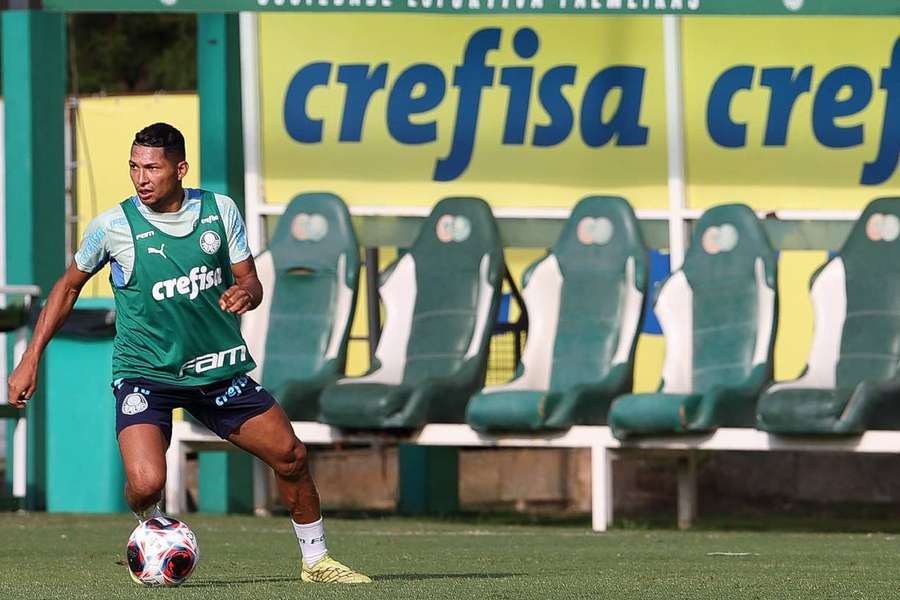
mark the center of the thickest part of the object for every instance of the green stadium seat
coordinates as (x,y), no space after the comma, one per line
(718,314)
(310,273)
(585,302)
(851,382)
(441,300)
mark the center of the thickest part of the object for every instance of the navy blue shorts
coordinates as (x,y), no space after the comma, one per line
(222,406)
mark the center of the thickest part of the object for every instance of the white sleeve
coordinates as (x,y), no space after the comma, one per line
(238,249)
(93,253)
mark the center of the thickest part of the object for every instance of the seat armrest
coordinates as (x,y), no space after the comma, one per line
(732,405)
(588,403)
(873,405)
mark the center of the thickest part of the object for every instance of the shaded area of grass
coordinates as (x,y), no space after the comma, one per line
(812,518)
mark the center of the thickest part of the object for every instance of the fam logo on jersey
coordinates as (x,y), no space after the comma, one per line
(215,360)
(134,403)
(190,285)
(210,242)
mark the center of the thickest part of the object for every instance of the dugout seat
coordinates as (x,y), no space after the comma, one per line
(310,273)
(718,314)
(441,300)
(851,382)
(585,302)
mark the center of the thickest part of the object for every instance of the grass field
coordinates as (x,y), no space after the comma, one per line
(70,557)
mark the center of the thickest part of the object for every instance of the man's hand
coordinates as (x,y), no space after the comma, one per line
(23,381)
(246,293)
(21,384)
(236,300)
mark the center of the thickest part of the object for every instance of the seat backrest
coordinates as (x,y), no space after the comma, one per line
(310,275)
(718,312)
(441,297)
(856,296)
(585,298)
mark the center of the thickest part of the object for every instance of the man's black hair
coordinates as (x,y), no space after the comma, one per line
(162,135)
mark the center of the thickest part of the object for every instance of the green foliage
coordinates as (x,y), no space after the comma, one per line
(132,53)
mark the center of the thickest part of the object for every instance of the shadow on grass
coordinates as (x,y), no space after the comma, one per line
(772,515)
(209,583)
(213,583)
(785,518)
(425,576)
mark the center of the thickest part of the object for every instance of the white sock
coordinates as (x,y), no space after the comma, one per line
(150,512)
(311,537)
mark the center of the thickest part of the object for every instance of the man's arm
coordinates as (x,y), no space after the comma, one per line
(22,382)
(247,291)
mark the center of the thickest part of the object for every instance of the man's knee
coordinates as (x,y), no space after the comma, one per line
(146,485)
(290,461)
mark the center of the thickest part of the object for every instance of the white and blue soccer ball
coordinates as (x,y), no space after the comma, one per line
(162,551)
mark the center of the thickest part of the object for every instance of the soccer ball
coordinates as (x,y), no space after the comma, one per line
(162,551)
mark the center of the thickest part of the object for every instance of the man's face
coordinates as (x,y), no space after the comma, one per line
(154,175)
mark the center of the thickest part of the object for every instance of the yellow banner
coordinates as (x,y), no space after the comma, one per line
(406,109)
(391,109)
(792,114)
(105,130)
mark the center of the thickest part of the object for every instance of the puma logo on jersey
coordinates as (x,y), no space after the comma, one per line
(190,285)
(161,250)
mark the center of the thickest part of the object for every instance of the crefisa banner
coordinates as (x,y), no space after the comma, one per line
(391,109)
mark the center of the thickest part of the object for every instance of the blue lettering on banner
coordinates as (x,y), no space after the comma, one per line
(885,162)
(422,87)
(722,129)
(843,92)
(786,88)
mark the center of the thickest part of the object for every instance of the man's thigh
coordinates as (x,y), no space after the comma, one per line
(143,426)
(143,448)
(140,401)
(226,406)
(269,436)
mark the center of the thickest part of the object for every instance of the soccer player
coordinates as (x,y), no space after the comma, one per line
(182,273)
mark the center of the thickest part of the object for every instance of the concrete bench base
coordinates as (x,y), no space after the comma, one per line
(604,447)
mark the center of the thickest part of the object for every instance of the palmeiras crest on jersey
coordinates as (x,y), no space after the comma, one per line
(210,242)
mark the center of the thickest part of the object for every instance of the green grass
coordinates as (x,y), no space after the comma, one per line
(70,557)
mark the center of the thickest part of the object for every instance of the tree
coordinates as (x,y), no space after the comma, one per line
(131,53)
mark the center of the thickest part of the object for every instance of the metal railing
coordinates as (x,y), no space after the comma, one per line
(29,294)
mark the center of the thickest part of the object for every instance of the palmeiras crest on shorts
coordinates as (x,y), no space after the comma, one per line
(134,404)
(210,242)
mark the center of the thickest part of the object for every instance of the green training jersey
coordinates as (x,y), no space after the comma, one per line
(169,326)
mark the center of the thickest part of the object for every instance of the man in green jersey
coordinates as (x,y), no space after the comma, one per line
(181,274)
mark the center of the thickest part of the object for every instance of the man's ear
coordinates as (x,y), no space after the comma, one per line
(182,169)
